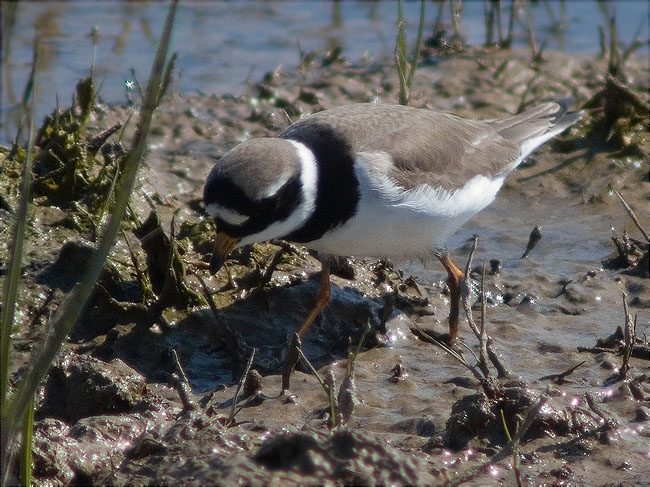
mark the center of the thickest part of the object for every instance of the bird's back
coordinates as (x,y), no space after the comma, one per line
(436,148)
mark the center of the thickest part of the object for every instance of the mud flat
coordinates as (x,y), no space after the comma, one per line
(144,390)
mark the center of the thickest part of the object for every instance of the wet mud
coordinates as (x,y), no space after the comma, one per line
(144,391)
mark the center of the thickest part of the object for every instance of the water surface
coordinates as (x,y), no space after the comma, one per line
(222,45)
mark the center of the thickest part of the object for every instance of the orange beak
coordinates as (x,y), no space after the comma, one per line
(223,245)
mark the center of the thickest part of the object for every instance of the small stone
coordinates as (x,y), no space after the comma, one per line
(253,383)
(642,414)
(80,386)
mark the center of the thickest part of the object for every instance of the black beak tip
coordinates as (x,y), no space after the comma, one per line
(216,263)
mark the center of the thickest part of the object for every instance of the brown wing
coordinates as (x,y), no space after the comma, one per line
(426,147)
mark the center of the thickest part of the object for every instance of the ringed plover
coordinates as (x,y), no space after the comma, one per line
(371,180)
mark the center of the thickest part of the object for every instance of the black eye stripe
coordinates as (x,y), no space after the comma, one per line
(261,213)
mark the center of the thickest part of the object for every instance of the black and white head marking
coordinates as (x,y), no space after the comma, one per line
(337,195)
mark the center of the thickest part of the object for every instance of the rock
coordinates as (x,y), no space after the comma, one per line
(80,386)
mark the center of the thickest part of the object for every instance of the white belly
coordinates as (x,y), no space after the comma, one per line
(391,222)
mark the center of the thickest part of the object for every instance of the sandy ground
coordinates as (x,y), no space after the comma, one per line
(116,408)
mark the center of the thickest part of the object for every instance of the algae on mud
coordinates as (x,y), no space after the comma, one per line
(418,422)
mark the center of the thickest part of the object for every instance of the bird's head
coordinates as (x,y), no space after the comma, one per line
(260,190)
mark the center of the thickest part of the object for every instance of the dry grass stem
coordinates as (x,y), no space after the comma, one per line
(560,378)
(326,384)
(268,271)
(629,333)
(233,410)
(633,216)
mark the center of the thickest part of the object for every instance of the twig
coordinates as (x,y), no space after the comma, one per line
(179,368)
(607,419)
(536,55)
(559,378)
(181,384)
(632,216)
(468,265)
(511,24)
(347,400)
(327,388)
(488,387)
(268,271)
(465,292)
(233,410)
(630,338)
(330,382)
(502,370)
(143,279)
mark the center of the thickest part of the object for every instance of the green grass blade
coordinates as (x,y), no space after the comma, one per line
(26,453)
(12,280)
(405,68)
(418,46)
(67,314)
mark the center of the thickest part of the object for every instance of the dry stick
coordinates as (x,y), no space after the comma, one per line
(329,391)
(561,376)
(502,370)
(531,35)
(607,419)
(233,410)
(346,399)
(630,338)
(483,333)
(636,43)
(459,358)
(465,292)
(499,28)
(488,15)
(511,24)
(633,216)
(484,339)
(330,382)
(268,271)
(143,280)
(181,384)
(179,368)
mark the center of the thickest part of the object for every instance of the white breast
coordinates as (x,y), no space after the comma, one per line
(391,222)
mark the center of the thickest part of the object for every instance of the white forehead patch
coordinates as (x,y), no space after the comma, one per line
(226,214)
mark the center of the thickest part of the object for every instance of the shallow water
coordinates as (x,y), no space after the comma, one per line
(222,45)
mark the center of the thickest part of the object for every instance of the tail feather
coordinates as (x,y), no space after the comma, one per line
(533,127)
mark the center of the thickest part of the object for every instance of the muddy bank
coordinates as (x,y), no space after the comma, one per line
(144,390)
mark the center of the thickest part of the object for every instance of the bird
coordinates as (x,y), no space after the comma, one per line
(370,180)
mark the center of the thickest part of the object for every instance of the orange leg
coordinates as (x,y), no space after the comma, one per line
(454,277)
(322,299)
